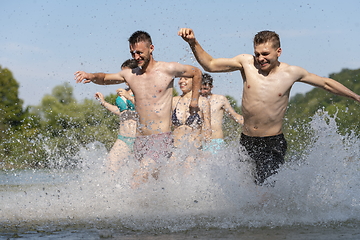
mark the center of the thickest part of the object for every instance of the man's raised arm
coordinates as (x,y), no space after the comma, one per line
(181,70)
(196,85)
(209,63)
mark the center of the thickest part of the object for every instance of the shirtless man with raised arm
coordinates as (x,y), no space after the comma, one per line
(219,105)
(267,83)
(152,86)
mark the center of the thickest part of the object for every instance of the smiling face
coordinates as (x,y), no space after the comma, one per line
(142,53)
(185,84)
(266,55)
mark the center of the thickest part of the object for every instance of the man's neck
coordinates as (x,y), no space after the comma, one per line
(271,70)
(208,96)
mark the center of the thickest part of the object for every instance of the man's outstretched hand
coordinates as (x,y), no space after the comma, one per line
(81,76)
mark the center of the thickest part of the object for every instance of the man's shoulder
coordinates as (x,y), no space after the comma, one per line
(168,64)
(203,99)
(245,57)
(218,100)
(292,70)
(218,96)
(169,67)
(289,68)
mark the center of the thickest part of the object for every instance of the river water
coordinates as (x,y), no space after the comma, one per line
(316,196)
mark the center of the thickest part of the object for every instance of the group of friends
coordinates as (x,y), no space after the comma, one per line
(162,122)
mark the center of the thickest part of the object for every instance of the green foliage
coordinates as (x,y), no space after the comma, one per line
(175,93)
(52,133)
(69,125)
(232,129)
(11,115)
(11,112)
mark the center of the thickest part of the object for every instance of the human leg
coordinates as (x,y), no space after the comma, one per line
(148,151)
(119,153)
(214,146)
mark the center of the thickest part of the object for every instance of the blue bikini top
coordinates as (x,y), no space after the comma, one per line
(124,105)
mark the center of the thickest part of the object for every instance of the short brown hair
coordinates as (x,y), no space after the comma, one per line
(267,36)
(207,79)
(140,36)
(130,63)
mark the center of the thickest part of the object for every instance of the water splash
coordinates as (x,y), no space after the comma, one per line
(216,192)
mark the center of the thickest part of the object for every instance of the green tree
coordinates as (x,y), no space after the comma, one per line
(232,129)
(11,117)
(67,125)
(11,107)
(64,94)
(175,93)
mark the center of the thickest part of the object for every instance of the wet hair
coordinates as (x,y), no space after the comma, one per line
(140,36)
(267,36)
(130,63)
(207,79)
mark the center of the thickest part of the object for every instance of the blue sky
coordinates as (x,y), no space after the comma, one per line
(44,42)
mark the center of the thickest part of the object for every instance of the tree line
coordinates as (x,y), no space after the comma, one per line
(50,134)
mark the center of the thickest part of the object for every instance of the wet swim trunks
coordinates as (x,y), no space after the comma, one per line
(267,152)
(128,140)
(214,146)
(154,146)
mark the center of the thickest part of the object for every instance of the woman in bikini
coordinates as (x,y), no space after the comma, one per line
(125,109)
(190,131)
